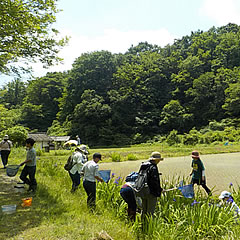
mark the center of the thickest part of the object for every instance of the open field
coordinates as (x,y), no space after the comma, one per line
(221,169)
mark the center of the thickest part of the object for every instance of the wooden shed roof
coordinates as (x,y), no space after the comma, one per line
(40,137)
(60,138)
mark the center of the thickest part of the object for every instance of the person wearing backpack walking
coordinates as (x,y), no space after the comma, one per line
(198,172)
(5,149)
(78,160)
(149,198)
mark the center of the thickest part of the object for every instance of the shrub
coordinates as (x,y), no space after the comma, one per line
(17,135)
(189,139)
(173,138)
(116,157)
(131,157)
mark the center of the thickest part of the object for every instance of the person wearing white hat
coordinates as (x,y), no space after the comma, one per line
(5,148)
(227,199)
(79,157)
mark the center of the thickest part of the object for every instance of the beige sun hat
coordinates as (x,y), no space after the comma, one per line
(156,156)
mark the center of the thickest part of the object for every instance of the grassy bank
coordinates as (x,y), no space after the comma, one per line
(58,214)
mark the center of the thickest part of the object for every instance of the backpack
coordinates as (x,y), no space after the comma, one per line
(68,166)
(141,184)
(131,177)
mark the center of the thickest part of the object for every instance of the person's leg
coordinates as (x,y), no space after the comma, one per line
(90,188)
(151,204)
(129,197)
(24,174)
(33,182)
(7,155)
(72,178)
(75,180)
(144,207)
(203,184)
(4,155)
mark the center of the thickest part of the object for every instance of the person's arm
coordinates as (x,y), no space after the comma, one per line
(26,161)
(99,179)
(97,175)
(191,173)
(203,171)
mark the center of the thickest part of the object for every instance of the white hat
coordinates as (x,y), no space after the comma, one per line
(224,194)
(83,148)
(6,137)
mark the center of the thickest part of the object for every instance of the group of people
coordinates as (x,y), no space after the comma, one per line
(88,170)
(149,198)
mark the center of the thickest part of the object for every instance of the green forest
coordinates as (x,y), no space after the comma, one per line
(146,94)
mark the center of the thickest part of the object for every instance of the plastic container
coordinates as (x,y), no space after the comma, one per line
(9,209)
(26,202)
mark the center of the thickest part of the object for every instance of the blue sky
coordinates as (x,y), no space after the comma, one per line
(115,25)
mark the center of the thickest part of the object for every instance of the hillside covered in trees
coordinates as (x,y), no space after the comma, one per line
(115,99)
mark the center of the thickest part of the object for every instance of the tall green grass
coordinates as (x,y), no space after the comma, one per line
(58,214)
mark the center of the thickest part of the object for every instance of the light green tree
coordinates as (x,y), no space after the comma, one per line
(26,33)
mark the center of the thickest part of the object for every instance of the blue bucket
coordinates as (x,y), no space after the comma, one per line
(105,175)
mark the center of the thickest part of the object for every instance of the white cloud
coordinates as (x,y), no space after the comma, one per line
(112,40)
(222,11)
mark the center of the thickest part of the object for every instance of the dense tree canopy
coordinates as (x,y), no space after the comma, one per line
(144,93)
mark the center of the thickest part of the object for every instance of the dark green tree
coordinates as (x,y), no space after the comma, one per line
(13,93)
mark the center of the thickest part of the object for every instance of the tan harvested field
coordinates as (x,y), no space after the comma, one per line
(221,169)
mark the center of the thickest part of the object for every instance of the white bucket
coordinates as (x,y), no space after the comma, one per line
(9,209)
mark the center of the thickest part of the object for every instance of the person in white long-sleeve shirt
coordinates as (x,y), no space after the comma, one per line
(5,149)
(79,158)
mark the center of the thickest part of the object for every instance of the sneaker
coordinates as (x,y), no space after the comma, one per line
(18,186)
(20,183)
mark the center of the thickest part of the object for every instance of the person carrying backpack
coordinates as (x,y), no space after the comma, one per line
(128,194)
(149,198)
(79,157)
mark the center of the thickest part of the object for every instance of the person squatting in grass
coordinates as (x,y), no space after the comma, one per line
(149,200)
(79,157)
(198,172)
(5,149)
(227,200)
(30,166)
(91,174)
(128,194)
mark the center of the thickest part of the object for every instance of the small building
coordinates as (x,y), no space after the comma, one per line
(59,140)
(42,140)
